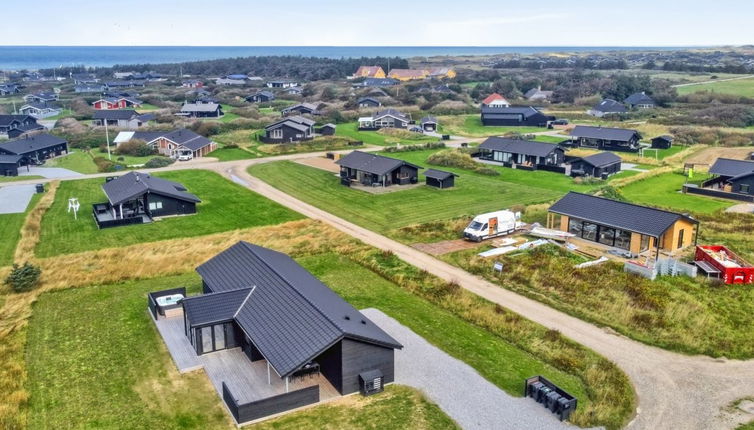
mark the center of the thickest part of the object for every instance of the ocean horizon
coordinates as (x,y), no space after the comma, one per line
(47,57)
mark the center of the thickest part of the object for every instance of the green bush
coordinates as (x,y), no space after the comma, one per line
(135,147)
(104,165)
(158,162)
(452,158)
(23,278)
(417,147)
(487,171)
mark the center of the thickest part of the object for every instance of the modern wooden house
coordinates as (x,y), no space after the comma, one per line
(201,110)
(605,138)
(282,83)
(173,143)
(640,101)
(368,102)
(607,107)
(262,310)
(514,116)
(523,154)
(408,74)
(388,118)
(634,228)
(35,148)
(40,110)
(537,94)
(428,123)
(376,170)
(440,178)
(192,83)
(662,142)
(261,97)
(9,164)
(441,73)
(369,72)
(327,129)
(13,126)
(302,109)
(121,118)
(43,97)
(116,103)
(599,165)
(288,130)
(378,82)
(137,198)
(732,176)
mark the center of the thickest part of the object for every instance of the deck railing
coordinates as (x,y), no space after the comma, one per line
(246,412)
(152,298)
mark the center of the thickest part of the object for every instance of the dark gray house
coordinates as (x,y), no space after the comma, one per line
(375,170)
(523,154)
(35,148)
(429,123)
(388,118)
(201,110)
(514,116)
(277,313)
(606,138)
(607,107)
(120,118)
(137,198)
(732,176)
(368,102)
(261,97)
(440,178)
(640,101)
(302,109)
(378,82)
(41,97)
(288,130)
(327,129)
(9,164)
(13,126)
(600,165)
(662,142)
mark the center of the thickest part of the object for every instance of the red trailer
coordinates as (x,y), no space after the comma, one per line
(721,261)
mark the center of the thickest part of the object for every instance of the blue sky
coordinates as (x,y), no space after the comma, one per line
(379,22)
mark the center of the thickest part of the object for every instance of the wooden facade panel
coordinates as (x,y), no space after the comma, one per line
(359,357)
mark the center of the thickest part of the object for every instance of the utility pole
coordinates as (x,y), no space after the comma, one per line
(107,139)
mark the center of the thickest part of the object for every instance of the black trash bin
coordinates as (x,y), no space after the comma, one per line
(565,407)
(40,188)
(533,389)
(551,400)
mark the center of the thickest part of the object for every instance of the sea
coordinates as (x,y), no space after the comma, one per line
(47,57)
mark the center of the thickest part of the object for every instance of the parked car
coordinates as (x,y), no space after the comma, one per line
(492,224)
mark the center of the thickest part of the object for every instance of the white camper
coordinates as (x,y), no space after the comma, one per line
(492,224)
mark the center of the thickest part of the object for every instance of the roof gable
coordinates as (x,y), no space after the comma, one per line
(135,184)
(372,163)
(608,133)
(518,146)
(731,167)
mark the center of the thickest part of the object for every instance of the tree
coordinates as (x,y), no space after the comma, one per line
(134,147)
(23,278)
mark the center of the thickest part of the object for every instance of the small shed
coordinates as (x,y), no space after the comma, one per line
(662,142)
(429,123)
(327,129)
(9,164)
(440,178)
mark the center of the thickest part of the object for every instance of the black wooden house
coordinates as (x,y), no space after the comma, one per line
(514,116)
(35,148)
(605,138)
(440,178)
(599,165)
(524,154)
(376,170)
(288,130)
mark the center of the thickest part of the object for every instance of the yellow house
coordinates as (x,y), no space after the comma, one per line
(369,72)
(442,73)
(627,226)
(408,74)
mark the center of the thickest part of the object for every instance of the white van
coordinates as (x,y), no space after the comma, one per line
(492,224)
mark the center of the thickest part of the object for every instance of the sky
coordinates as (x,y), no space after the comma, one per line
(380,23)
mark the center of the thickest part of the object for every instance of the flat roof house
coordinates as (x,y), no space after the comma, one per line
(288,130)
(640,101)
(607,107)
(514,116)
(617,224)
(440,178)
(137,198)
(201,110)
(36,148)
(388,118)
(284,338)
(13,126)
(606,138)
(599,165)
(378,82)
(120,118)
(522,154)
(374,170)
(282,83)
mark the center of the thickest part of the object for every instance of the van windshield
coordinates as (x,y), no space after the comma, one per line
(475,225)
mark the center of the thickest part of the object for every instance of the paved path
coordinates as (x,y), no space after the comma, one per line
(459,390)
(712,81)
(742,208)
(50,172)
(15,199)
(674,391)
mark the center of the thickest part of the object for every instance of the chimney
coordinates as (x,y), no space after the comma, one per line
(137,176)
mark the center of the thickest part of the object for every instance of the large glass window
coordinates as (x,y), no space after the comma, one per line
(590,231)
(207,339)
(219,336)
(575,227)
(623,239)
(606,236)
(644,243)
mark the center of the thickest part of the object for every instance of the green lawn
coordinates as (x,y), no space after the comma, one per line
(231,154)
(471,125)
(228,114)
(739,87)
(664,191)
(64,113)
(77,160)
(351,130)
(225,206)
(19,178)
(383,212)
(550,139)
(10,231)
(664,153)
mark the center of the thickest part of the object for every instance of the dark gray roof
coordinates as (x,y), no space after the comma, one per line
(438,174)
(609,106)
(368,99)
(41,105)
(372,163)
(115,114)
(10,159)
(612,213)
(291,317)
(31,143)
(9,119)
(135,184)
(187,138)
(518,146)
(312,107)
(296,122)
(639,99)
(200,107)
(391,112)
(214,307)
(665,137)
(731,167)
(607,133)
(602,159)
(492,111)
(379,82)
(429,119)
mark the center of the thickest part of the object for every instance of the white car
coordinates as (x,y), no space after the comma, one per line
(185,157)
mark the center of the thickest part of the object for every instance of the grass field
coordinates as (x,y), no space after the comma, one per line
(231,154)
(10,231)
(384,212)
(351,131)
(77,160)
(19,178)
(665,191)
(471,126)
(225,206)
(738,87)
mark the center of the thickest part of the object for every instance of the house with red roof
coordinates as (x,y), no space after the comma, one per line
(495,100)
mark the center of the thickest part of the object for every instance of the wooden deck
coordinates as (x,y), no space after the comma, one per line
(246,380)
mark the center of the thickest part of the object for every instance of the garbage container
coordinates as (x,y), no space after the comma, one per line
(542,393)
(533,389)
(551,400)
(565,407)
(40,188)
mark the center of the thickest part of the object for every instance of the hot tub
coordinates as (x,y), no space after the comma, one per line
(170,306)
(169,300)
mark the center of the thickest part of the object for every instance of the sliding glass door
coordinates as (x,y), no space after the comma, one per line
(212,337)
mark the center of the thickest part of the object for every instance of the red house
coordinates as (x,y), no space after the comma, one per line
(108,103)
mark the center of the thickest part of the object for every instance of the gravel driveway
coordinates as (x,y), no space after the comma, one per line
(49,172)
(463,394)
(14,199)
